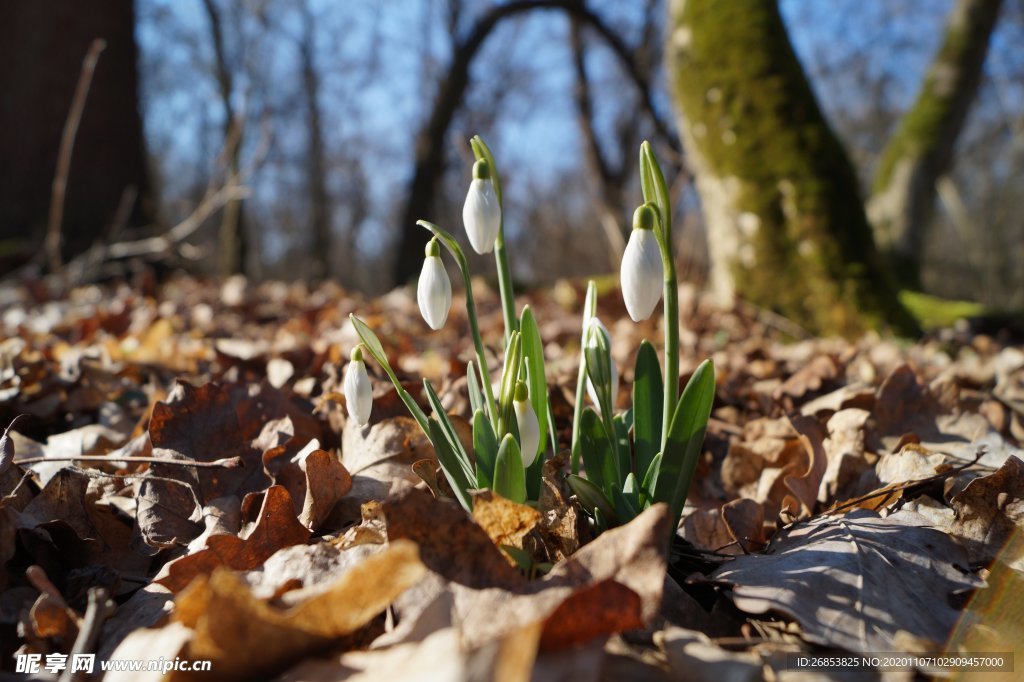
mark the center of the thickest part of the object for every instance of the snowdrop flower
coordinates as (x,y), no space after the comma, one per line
(358,393)
(642,270)
(434,291)
(529,427)
(481,213)
(598,339)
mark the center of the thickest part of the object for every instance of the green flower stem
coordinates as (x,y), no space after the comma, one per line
(655,191)
(671,342)
(508,298)
(453,247)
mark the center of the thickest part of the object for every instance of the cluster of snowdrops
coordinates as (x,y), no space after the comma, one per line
(621,463)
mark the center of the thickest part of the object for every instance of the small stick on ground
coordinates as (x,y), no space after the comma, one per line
(99,609)
(225,463)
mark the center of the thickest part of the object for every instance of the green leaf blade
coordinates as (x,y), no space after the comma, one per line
(647,407)
(599,459)
(450,465)
(685,439)
(485,446)
(509,474)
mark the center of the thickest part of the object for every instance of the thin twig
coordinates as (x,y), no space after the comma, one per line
(99,609)
(225,463)
(67,142)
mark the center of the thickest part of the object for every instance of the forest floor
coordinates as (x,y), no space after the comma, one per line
(853,498)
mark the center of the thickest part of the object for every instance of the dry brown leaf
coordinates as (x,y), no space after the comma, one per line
(327,481)
(805,485)
(854,581)
(505,522)
(744,519)
(276,527)
(227,619)
(990,511)
(450,543)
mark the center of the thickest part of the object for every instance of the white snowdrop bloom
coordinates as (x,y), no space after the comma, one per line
(358,392)
(594,328)
(529,427)
(434,291)
(642,271)
(481,213)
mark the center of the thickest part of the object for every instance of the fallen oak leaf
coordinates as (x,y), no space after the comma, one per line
(275,528)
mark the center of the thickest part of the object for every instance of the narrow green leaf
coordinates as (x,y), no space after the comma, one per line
(533,358)
(647,407)
(595,446)
(650,482)
(685,439)
(509,375)
(485,445)
(482,151)
(376,351)
(626,502)
(449,430)
(447,239)
(589,309)
(622,446)
(509,474)
(591,497)
(450,464)
(476,398)
(655,190)
(370,340)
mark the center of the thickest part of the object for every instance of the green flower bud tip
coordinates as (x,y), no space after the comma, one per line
(481,170)
(644,217)
(357,354)
(522,393)
(433,249)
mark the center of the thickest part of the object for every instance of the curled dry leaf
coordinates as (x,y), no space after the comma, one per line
(990,511)
(854,581)
(275,528)
(505,522)
(225,617)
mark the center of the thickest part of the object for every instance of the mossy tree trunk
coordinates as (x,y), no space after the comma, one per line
(921,150)
(786,223)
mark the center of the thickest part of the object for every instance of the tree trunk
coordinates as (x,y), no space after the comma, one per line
(921,151)
(319,218)
(233,240)
(786,225)
(44,44)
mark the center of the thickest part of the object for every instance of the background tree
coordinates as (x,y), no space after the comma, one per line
(786,225)
(921,150)
(44,45)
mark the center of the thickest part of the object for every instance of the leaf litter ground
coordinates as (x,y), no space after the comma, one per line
(185,455)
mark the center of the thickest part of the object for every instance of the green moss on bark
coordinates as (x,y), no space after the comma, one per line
(751,116)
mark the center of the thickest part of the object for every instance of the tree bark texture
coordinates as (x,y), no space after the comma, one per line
(786,224)
(44,44)
(921,150)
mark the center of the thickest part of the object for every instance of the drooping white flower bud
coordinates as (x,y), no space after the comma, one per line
(434,291)
(642,271)
(358,392)
(599,343)
(529,427)
(482,213)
